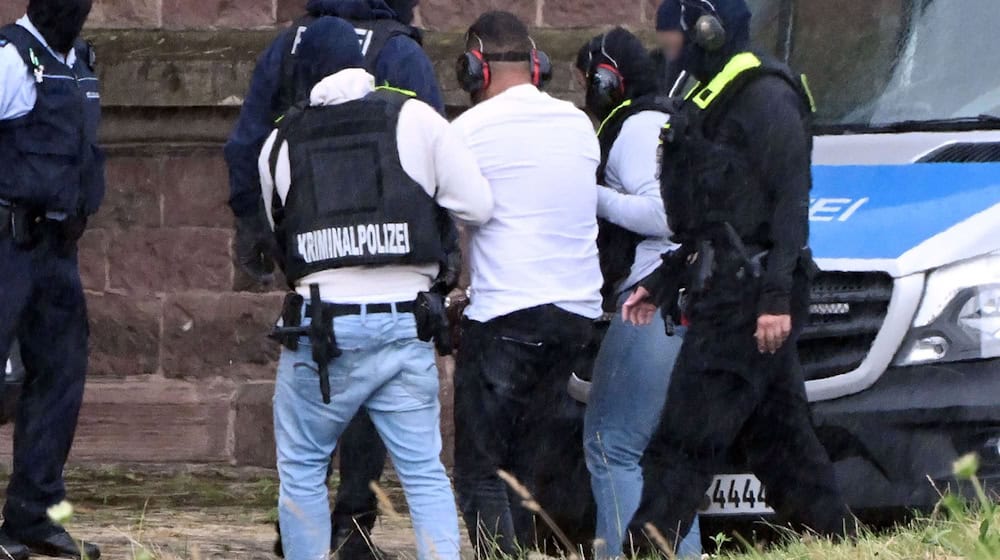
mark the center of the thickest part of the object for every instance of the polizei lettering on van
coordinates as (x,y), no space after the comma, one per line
(362,240)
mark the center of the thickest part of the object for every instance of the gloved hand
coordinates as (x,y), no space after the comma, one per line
(254,248)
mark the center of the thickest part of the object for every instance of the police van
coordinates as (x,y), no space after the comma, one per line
(902,353)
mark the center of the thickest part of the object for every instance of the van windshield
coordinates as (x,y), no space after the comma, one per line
(896,64)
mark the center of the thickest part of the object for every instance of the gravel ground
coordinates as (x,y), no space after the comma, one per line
(172,513)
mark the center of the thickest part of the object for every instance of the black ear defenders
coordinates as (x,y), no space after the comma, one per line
(473,67)
(605,83)
(708,32)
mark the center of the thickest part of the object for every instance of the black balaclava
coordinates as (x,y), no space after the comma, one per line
(623,50)
(59,21)
(328,46)
(404,9)
(735,17)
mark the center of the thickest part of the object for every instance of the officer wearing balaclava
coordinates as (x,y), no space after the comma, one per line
(735,179)
(52,181)
(669,42)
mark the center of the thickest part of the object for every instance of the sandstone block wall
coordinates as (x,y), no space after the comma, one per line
(180,367)
(436,15)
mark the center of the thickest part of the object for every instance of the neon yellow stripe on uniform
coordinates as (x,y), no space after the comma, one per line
(736,66)
(809,93)
(612,114)
(406,92)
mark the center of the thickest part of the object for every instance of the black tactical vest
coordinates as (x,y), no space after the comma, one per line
(616,246)
(372,35)
(705,181)
(49,158)
(350,202)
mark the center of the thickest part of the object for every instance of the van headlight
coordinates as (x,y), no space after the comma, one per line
(959,317)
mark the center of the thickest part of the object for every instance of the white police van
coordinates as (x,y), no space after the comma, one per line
(902,354)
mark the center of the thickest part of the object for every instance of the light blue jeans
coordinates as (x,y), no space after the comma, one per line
(631,376)
(388,371)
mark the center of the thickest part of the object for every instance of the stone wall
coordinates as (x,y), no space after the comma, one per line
(180,368)
(437,15)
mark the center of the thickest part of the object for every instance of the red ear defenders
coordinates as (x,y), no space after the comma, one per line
(473,67)
(605,83)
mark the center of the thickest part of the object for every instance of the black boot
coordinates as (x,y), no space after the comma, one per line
(11,549)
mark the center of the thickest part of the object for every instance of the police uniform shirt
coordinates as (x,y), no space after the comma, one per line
(540,156)
(17,85)
(632,198)
(430,153)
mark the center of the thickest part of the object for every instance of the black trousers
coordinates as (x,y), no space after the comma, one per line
(725,395)
(511,373)
(42,305)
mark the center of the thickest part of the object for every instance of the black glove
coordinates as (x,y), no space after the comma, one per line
(254,248)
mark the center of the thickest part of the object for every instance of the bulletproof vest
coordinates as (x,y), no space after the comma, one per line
(616,245)
(372,35)
(50,157)
(707,180)
(350,202)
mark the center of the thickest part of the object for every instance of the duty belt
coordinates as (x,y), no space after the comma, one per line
(347,309)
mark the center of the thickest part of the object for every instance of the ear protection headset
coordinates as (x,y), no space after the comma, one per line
(605,83)
(473,66)
(708,32)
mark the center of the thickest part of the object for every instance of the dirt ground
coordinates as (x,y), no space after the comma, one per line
(172,513)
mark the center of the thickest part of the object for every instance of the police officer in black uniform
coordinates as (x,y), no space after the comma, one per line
(392,53)
(735,179)
(52,180)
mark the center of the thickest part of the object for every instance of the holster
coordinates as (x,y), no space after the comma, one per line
(431,316)
(320,332)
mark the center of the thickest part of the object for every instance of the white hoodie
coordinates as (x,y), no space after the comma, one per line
(431,153)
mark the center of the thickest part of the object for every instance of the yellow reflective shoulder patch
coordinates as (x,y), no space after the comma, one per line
(809,93)
(612,114)
(406,92)
(736,66)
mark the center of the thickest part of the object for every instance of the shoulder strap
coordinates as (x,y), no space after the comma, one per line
(612,125)
(282,125)
(742,70)
(24,42)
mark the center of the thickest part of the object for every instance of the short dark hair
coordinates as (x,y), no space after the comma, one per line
(499,31)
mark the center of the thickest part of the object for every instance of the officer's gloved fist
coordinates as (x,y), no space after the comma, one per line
(254,248)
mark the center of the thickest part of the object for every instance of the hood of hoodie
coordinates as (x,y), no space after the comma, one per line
(351,9)
(346,85)
(735,17)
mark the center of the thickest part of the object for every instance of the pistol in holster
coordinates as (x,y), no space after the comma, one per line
(431,316)
(320,332)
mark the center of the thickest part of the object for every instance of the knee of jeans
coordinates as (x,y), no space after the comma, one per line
(614,448)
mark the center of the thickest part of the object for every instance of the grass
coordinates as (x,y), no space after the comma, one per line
(193,513)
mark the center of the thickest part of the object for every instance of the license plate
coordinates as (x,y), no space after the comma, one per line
(736,494)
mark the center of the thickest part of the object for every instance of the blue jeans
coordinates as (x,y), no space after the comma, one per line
(631,376)
(385,369)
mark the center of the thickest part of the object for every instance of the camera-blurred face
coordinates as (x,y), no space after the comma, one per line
(672,42)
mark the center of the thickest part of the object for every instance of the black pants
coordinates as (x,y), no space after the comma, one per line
(42,305)
(362,460)
(725,395)
(510,373)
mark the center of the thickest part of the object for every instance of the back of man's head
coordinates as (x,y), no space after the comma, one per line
(499,32)
(59,21)
(328,46)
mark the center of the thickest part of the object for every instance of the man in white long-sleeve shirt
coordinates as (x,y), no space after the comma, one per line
(534,270)
(354,185)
